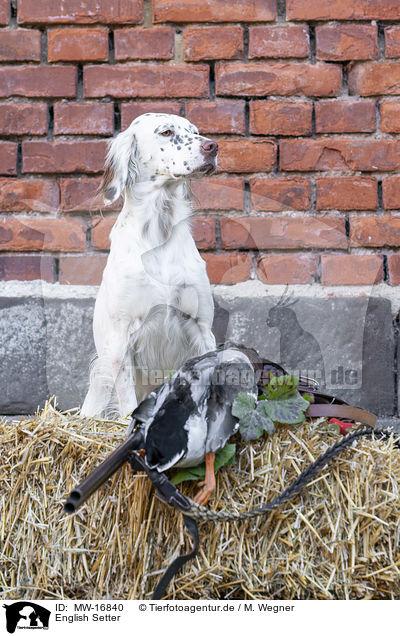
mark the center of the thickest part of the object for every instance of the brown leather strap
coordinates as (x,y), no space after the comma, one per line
(342,410)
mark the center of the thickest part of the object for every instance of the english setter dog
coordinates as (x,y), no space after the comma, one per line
(154,309)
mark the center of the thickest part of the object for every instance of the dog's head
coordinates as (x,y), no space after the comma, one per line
(154,147)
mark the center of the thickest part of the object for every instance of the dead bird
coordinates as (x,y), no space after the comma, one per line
(188,418)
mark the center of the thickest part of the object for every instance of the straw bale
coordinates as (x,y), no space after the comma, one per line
(339,539)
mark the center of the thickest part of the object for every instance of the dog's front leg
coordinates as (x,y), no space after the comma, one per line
(204,318)
(122,372)
(112,386)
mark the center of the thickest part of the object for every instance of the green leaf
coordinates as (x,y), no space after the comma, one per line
(253,425)
(289,410)
(309,397)
(224,457)
(280,387)
(282,402)
(252,421)
(243,405)
(268,424)
(196,473)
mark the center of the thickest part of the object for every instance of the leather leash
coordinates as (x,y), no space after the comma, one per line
(179,562)
(329,406)
(342,411)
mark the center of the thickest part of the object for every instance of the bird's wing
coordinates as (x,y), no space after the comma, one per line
(166,435)
(233,374)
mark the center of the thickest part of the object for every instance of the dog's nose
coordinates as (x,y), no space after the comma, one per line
(209,148)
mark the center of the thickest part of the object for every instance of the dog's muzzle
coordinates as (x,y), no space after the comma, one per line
(209,151)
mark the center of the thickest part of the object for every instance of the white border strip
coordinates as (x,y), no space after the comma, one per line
(248,289)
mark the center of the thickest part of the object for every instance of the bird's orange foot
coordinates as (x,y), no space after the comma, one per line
(204,494)
(209,483)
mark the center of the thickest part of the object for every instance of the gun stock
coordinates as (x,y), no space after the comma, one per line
(106,469)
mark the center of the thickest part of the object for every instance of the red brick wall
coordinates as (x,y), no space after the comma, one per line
(303,97)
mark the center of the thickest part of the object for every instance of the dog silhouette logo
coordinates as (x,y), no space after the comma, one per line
(300,350)
(26,615)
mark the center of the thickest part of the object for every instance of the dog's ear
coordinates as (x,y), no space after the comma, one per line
(121,168)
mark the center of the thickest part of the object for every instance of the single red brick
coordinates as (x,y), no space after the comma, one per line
(375,231)
(345,116)
(394,269)
(4,11)
(351,269)
(203,231)
(392,40)
(20,45)
(342,10)
(23,119)
(33,234)
(27,267)
(8,157)
(80,11)
(38,81)
(287,269)
(20,195)
(215,11)
(218,193)
(227,269)
(144,44)
(347,193)
(63,156)
(100,234)
(80,193)
(246,155)
(375,78)
(391,192)
(83,119)
(279,193)
(74,45)
(212,43)
(130,111)
(217,117)
(82,270)
(278,41)
(390,117)
(280,118)
(340,154)
(274,232)
(146,80)
(336,43)
(278,78)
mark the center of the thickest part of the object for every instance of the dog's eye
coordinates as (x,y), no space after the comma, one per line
(167,133)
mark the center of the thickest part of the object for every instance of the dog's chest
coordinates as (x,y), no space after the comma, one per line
(140,277)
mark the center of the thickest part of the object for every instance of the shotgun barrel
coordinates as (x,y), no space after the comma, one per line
(99,475)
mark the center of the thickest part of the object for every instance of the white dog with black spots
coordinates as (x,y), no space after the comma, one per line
(154,309)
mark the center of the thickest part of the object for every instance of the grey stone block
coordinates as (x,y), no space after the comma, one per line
(46,346)
(23,382)
(346,343)
(70,348)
